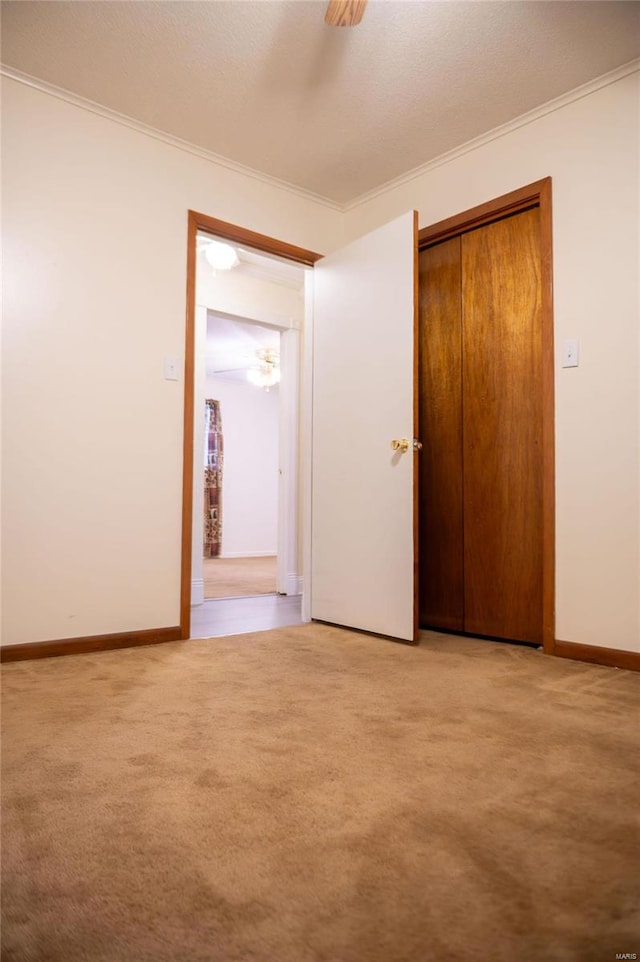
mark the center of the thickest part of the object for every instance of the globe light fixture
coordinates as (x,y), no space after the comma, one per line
(222,257)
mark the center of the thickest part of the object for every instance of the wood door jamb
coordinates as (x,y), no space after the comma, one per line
(511,203)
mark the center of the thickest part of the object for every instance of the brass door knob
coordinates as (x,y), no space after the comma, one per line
(401,444)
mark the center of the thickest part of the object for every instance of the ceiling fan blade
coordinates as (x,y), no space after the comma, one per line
(344,13)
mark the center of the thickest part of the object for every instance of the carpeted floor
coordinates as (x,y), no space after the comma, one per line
(314,795)
(239,577)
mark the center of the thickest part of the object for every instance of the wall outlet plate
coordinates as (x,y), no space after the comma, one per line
(171,369)
(570,352)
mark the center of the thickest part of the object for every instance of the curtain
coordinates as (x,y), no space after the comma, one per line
(213,480)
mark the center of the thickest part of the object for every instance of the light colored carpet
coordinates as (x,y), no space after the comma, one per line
(315,795)
(239,577)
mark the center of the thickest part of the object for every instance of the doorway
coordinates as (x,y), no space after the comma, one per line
(245,316)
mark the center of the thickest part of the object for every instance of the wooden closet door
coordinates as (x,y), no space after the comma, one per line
(441,584)
(502,428)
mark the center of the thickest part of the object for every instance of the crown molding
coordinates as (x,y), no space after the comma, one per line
(125,121)
(578,93)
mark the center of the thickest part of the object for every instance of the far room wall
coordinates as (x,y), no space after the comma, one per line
(250,472)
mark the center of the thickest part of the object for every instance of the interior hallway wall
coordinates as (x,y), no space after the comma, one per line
(238,293)
(250,471)
(590,147)
(94,245)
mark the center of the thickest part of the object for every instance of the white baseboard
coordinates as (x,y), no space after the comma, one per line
(197,591)
(249,554)
(293,584)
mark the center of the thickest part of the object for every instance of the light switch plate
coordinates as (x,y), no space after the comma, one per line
(570,352)
(171,369)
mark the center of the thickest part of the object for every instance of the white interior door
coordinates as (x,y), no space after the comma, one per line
(363,526)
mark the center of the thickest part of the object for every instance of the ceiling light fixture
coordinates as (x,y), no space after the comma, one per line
(222,257)
(267,373)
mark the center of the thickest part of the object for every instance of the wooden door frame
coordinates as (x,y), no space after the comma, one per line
(537,194)
(266,245)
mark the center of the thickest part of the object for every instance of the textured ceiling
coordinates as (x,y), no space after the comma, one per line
(336,111)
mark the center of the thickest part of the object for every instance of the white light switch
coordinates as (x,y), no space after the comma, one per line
(570,352)
(171,369)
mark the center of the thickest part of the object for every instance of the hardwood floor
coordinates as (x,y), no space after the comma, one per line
(239,577)
(237,616)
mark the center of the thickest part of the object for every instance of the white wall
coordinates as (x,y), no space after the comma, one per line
(238,293)
(250,472)
(590,147)
(94,226)
(95,229)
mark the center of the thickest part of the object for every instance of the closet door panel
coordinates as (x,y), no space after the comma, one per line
(440,352)
(502,422)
